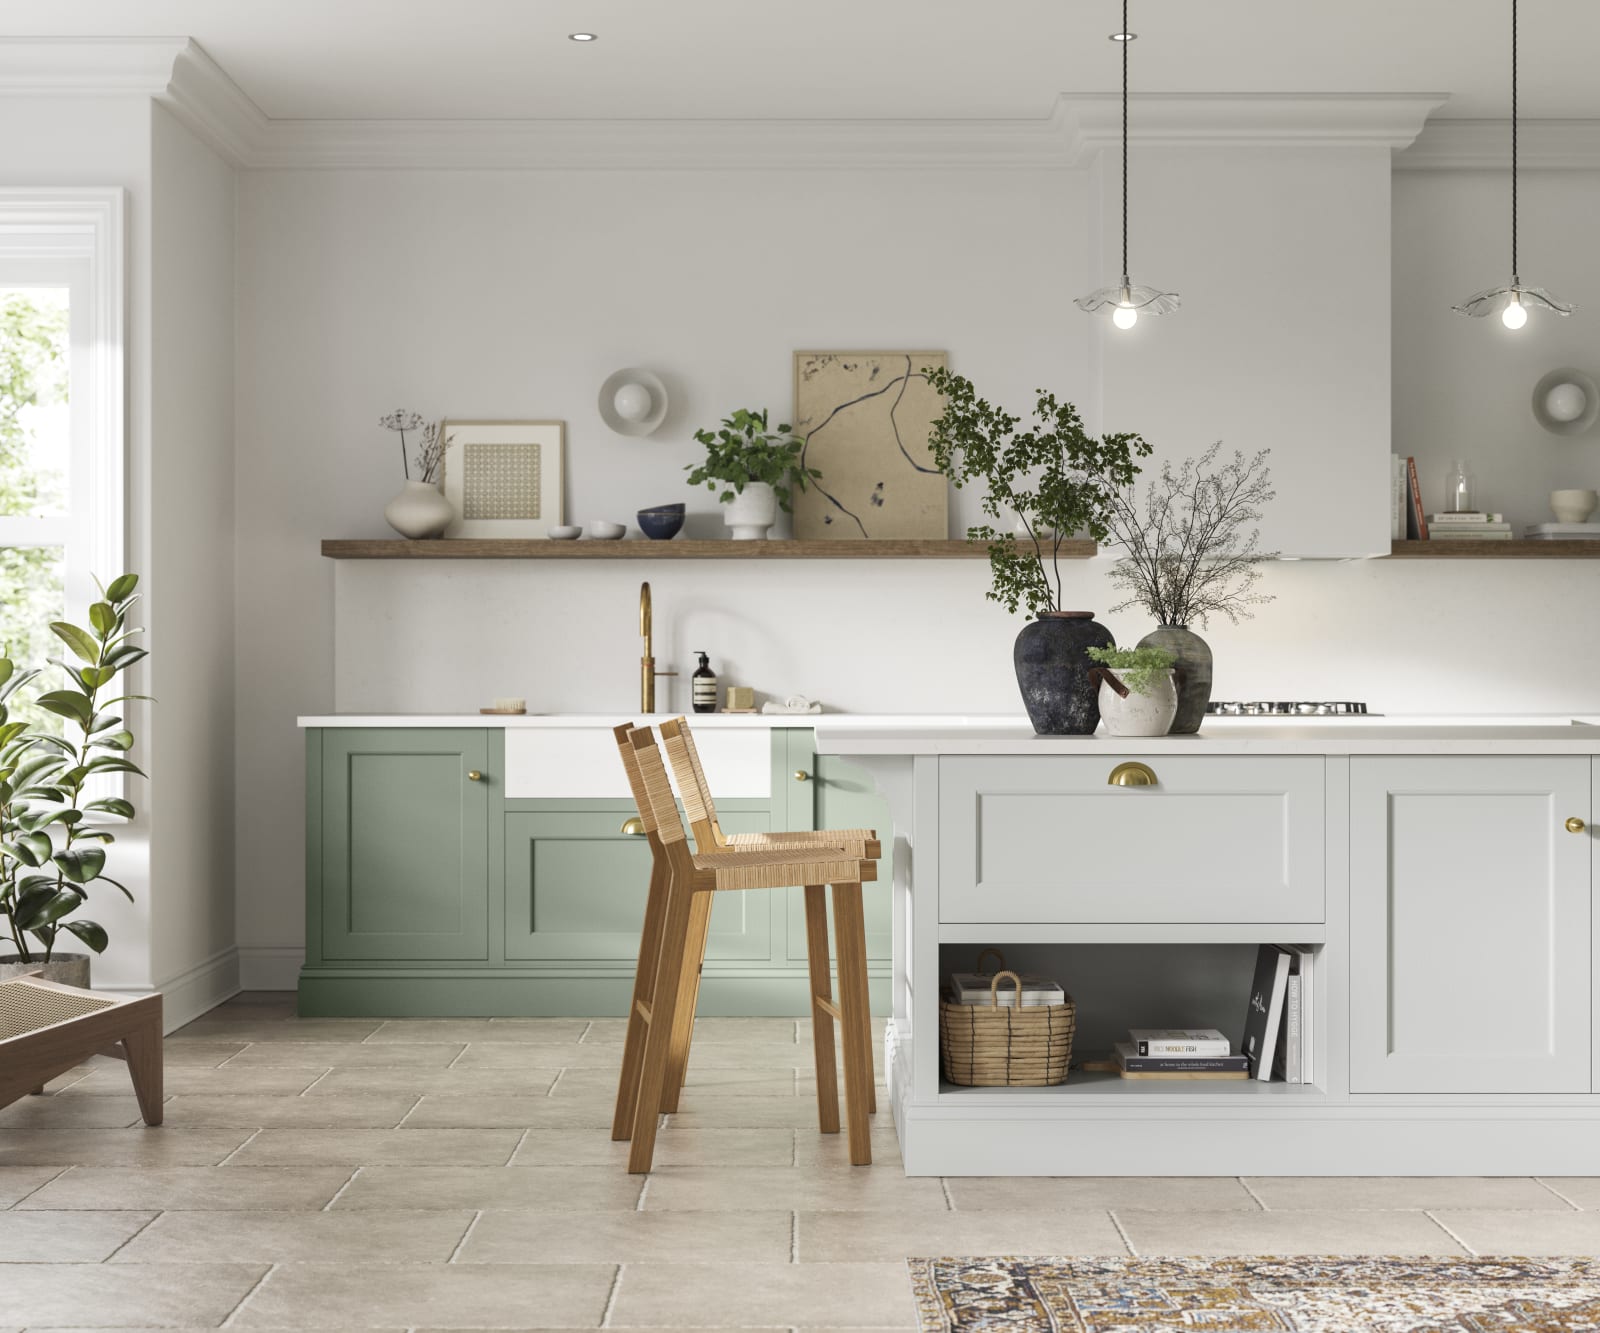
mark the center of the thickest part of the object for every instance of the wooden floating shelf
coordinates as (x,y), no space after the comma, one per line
(1468,549)
(480,548)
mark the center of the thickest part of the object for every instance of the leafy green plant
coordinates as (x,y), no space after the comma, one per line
(51,849)
(746,450)
(1057,480)
(1137,668)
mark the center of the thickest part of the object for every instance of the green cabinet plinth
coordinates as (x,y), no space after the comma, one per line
(430,893)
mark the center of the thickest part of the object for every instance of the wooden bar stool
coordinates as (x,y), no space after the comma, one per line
(701,808)
(690,876)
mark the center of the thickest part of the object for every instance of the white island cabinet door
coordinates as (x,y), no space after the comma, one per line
(1469,925)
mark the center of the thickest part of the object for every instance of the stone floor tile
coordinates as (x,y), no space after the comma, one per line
(109,1295)
(852,1189)
(682,1147)
(708,1030)
(1581,1191)
(389,1147)
(709,1111)
(813,1148)
(441,1295)
(1175,1193)
(1322,1192)
(630,1238)
(703,1080)
(18,1182)
(417,1236)
(201,1080)
(349,1055)
(65,1238)
(839,1237)
(143,1146)
(701,1295)
(608,1055)
(551,1189)
(192,1188)
(355,1111)
(1304,1232)
(64,1111)
(507,1112)
(1497,1231)
(185,1053)
(529,1081)
(61,1082)
(531,1031)
(319,1030)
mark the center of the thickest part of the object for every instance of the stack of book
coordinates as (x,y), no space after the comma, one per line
(1562,532)
(1277,1027)
(1179,1053)
(1478,527)
(974,988)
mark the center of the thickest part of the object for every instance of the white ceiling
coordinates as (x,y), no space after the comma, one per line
(846,59)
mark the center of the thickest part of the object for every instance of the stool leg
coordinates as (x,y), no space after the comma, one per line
(644,981)
(821,1008)
(143,1046)
(849,927)
(663,1004)
(688,1000)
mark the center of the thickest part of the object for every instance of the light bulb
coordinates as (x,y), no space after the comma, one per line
(1515,315)
(1124,316)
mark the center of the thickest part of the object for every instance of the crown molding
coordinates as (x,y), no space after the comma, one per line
(1485,145)
(87,67)
(199,92)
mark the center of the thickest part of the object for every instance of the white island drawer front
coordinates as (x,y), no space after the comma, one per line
(1235,838)
(582,763)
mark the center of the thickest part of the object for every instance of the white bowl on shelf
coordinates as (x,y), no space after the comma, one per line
(566,533)
(606,532)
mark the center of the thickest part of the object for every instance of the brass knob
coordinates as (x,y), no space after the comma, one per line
(633,828)
(1575,825)
(1132,775)
(800,775)
(474,776)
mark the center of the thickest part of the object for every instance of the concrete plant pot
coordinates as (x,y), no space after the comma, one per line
(65,969)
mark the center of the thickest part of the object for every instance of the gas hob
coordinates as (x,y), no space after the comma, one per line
(1280,708)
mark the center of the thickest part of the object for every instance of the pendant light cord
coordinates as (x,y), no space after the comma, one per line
(1127,41)
(1514,269)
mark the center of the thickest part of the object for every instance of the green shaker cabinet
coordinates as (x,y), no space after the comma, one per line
(430,892)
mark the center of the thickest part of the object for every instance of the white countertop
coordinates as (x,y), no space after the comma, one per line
(765,721)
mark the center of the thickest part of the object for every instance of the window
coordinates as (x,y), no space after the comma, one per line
(61,410)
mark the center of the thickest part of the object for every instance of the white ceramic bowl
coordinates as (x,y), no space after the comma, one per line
(566,534)
(606,532)
(1573,506)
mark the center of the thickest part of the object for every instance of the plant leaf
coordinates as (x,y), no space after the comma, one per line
(80,864)
(91,933)
(58,905)
(124,656)
(111,805)
(103,618)
(116,884)
(122,587)
(76,639)
(66,703)
(107,763)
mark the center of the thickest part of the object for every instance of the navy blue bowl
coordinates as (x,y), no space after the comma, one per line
(661,523)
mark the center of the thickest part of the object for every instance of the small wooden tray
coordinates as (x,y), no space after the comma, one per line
(504,712)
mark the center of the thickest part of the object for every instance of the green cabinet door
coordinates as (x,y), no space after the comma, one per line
(837,795)
(405,845)
(576,887)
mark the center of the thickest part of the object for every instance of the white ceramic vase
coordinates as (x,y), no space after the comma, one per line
(1140,714)
(419,511)
(751,512)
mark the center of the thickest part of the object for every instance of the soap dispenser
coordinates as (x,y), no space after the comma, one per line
(703,685)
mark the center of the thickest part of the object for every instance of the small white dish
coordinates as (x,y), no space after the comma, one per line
(606,532)
(566,533)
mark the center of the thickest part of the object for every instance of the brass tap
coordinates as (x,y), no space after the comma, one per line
(647,661)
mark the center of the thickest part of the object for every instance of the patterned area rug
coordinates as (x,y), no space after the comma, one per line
(1305,1295)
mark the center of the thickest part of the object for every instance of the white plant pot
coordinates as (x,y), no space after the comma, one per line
(1140,714)
(419,511)
(751,512)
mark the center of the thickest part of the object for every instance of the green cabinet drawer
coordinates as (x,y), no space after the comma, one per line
(405,845)
(576,887)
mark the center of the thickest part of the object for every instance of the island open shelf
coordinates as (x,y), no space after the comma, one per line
(479,548)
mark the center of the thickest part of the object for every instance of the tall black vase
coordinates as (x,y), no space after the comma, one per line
(1193,656)
(1053,672)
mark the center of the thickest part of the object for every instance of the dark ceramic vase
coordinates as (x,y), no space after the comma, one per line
(1193,656)
(1053,667)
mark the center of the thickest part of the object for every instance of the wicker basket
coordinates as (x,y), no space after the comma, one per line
(995,1046)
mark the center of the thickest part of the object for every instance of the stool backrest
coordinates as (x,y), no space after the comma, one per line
(630,764)
(692,784)
(657,787)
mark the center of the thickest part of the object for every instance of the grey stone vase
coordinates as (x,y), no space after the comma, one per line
(65,969)
(1053,668)
(1194,675)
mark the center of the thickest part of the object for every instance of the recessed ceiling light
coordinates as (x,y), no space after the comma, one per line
(582,37)
(1124,36)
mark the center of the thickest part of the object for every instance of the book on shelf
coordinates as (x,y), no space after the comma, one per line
(1485,533)
(1466,518)
(974,988)
(1416,519)
(1292,1060)
(1162,1042)
(1264,1015)
(1546,532)
(1397,498)
(1132,1065)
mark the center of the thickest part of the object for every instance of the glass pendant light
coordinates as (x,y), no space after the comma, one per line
(1512,303)
(1125,301)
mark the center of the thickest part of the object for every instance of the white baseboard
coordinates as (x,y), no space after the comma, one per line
(191,993)
(270,968)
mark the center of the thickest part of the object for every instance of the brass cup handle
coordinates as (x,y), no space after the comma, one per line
(1576,825)
(474,776)
(800,775)
(633,828)
(1132,775)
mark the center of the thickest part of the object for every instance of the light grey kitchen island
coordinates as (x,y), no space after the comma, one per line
(1441,874)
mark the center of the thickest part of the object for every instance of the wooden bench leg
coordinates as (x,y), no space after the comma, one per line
(855,1018)
(658,1041)
(644,981)
(688,1000)
(823,1009)
(143,1046)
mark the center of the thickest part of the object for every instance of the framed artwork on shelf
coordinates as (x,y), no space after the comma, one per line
(503,478)
(866,418)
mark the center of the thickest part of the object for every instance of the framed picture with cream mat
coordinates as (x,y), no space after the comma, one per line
(503,477)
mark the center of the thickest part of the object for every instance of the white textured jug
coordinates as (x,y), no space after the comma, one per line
(1139,714)
(419,511)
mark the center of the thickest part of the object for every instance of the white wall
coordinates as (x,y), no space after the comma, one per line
(190,608)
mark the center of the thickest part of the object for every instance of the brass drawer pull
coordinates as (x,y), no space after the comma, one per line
(800,775)
(474,776)
(633,828)
(1132,775)
(1576,825)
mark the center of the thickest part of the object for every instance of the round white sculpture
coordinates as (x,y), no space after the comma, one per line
(633,401)
(1566,401)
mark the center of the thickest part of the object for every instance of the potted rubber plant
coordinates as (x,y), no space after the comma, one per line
(1048,484)
(757,468)
(1138,689)
(53,839)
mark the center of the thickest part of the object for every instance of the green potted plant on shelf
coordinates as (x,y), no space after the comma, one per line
(1138,689)
(757,468)
(52,840)
(1045,485)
